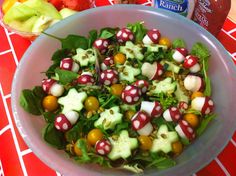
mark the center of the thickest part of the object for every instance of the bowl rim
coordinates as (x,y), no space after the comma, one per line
(227,61)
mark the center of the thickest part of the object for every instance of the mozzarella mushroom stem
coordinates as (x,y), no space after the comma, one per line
(167,116)
(178,57)
(147,40)
(147,107)
(149,70)
(180,132)
(146,130)
(72,116)
(75,67)
(198,103)
(195,68)
(192,83)
(56,90)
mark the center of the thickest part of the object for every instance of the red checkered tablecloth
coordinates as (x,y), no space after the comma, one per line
(16,159)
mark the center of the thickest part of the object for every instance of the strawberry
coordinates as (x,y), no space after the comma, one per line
(56,3)
(77,5)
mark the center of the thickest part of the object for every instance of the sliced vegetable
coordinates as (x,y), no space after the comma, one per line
(122,147)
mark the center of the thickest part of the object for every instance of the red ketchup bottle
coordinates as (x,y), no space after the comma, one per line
(211,14)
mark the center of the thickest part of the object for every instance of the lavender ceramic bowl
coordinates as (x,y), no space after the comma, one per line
(222,73)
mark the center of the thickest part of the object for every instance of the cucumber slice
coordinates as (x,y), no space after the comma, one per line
(166,86)
(128,72)
(180,95)
(72,101)
(164,139)
(155,47)
(85,57)
(122,147)
(132,51)
(172,67)
(109,118)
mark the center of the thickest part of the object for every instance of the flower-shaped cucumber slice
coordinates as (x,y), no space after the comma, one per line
(72,101)
(128,72)
(164,139)
(132,51)
(122,147)
(109,118)
(85,57)
(166,86)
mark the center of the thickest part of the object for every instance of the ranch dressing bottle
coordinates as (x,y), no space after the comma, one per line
(182,7)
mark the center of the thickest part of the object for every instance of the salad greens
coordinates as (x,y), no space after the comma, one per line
(127,95)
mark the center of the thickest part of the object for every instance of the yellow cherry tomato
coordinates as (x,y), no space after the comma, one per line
(116,89)
(129,114)
(77,150)
(119,58)
(165,41)
(196,94)
(145,142)
(192,119)
(94,136)
(91,103)
(7,4)
(177,147)
(50,103)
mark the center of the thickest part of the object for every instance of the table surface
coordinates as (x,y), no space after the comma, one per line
(16,159)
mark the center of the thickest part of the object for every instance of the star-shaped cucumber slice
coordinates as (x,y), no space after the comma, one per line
(128,72)
(122,147)
(109,118)
(132,51)
(164,140)
(85,57)
(72,101)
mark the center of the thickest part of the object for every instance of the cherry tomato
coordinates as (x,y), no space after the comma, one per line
(77,150)
(197,94)
(192,119)
(165,41)
(129,114)
(50,103)
(177,147)
(7,4)
(116,89)
(145,142)
(91,103)
(94,136)
(119,58)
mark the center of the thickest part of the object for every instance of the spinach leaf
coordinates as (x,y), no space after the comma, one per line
(65,76)
(121,126)
(49,116)
(178,43)
(74,133)
(30,100)
(165,100)
(106,33)
(74,42)
(139,30)
(160,162)
(206,120)
(93,34)
(54,137)
(71,42)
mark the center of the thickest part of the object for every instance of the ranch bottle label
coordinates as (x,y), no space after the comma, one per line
(177,6)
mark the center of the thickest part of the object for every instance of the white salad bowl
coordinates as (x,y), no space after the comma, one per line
(222,74)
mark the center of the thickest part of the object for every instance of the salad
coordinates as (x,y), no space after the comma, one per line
(125,98)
